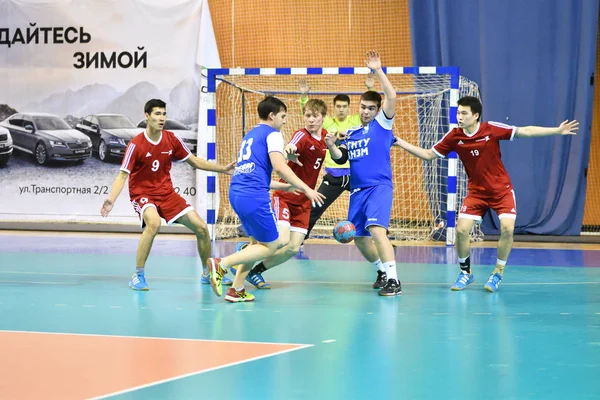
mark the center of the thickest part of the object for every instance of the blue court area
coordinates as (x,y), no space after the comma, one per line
(537,338)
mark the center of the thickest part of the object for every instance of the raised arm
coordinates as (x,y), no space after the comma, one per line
(200,163)
(373,62)
(566,128)
(304,89)
(423,154)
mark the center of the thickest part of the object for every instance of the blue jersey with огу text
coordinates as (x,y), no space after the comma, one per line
(369,152)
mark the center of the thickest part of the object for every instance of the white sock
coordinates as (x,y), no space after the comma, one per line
(390,270)
(379,265)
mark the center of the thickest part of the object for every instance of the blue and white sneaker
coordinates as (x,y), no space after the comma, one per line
(258,281)
(138,282)
(205,279)
(493,282)
(462,281)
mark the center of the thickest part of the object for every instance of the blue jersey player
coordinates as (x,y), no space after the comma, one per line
(260,153)
(368,149)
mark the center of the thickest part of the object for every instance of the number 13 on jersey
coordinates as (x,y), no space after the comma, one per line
(245,150)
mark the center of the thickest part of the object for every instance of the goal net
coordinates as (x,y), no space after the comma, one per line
(426,198)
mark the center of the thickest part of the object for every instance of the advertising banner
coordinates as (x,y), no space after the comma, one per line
(75,76)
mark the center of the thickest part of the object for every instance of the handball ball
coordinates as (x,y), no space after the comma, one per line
(344,232)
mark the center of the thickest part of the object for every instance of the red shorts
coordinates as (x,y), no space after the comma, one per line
(296,216)
(475,205)
(170,207)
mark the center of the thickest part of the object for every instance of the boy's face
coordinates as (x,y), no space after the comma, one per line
(368,110)
(342,109)
(465,117)
(279,119)
(313,121)
(156,119)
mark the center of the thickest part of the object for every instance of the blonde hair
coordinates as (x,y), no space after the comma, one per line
(316,106)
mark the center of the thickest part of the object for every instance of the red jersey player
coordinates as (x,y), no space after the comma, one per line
(147,164)
(477,145)
(306,152)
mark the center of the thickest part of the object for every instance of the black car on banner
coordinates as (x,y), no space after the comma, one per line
(110,134)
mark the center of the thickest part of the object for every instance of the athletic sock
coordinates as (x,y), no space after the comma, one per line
(390,270)
(258,268)
(379,265)
(465,264)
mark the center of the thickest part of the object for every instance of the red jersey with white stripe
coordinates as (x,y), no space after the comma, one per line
(311,154)
(480,154)
(148,163)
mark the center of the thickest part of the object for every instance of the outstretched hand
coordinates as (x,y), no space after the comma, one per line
(370,81)
(229,168)
(330,139)
(303,86)
(107,206)
(316,198)
(291,155)
(373,61)
(568,127)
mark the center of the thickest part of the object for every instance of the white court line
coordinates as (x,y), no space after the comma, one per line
(104,396)
(153,338)
(300,346)
(328,341)
(40,283)
(308,282)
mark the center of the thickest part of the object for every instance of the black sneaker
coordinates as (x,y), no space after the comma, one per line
(391,288)
(381,280)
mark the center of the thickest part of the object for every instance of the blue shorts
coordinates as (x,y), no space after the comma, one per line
(257,217)
(370,206)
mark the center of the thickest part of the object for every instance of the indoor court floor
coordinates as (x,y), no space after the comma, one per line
(70,327)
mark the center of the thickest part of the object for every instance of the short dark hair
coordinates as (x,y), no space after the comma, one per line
(268,105)
(371,95)
(473,103)
(154,103)
(341,97)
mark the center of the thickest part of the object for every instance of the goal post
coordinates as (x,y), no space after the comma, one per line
(426,194)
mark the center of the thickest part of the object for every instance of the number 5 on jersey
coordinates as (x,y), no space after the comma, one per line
(245,150)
